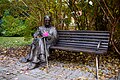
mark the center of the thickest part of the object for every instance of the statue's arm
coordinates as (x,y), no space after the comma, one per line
(37,33)
(55,33)
(53,36)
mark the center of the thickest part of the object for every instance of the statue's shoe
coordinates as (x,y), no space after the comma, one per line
(42,64)
(31,66)
(23,60)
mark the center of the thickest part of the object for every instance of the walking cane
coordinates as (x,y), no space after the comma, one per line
(46,53)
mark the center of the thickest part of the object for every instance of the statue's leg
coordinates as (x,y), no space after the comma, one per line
(34,60)
(42,56)
(28,57)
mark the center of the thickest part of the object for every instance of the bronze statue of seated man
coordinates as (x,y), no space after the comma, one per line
(44,37)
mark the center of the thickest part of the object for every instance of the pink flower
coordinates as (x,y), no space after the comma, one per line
(45,34)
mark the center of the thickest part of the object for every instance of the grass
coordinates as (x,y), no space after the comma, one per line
(13,42)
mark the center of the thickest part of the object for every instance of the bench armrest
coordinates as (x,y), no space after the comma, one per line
(98,46)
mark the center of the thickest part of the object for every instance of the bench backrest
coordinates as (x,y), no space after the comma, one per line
(84,40)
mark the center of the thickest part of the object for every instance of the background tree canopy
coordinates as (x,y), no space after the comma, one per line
(22,17)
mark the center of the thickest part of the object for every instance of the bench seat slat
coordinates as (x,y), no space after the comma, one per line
(78,49)
(83,46)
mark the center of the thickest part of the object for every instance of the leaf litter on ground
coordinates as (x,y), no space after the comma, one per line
(109,64)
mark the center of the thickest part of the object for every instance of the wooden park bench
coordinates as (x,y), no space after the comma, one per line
(92,42)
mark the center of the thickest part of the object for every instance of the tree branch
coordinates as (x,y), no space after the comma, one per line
(115,47)
(105,13)
(113,24)
(108,9)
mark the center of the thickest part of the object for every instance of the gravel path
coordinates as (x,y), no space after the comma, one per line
(12,69)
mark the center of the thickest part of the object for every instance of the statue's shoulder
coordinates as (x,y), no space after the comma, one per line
(53,27)
(41,27)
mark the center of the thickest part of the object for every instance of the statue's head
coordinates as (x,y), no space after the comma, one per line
(47,21)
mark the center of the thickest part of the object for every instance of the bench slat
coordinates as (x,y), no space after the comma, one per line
(83,31)
(97,34)
(83,39)
(84,36)
(80,44)
(78,49)
(83,45)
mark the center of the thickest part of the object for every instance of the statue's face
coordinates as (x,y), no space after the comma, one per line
(47,21)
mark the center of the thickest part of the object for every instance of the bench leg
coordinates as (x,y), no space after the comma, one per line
(97,67)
